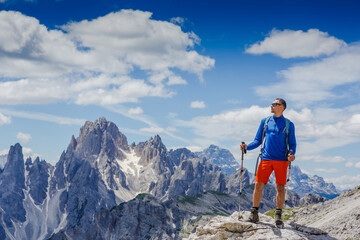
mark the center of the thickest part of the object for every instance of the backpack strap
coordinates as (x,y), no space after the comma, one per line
(287,122)
(263,133)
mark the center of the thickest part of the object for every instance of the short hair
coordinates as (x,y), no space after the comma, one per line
(282,102)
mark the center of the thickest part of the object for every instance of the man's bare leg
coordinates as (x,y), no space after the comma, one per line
(258,191)
(280,196)
(254,212)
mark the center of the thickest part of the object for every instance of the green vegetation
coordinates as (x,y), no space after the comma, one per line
(120,207)
(285,215)
(188,199)
(220,212)
(141,196)
(217,193)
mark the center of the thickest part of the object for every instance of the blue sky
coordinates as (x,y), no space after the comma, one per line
(194,72)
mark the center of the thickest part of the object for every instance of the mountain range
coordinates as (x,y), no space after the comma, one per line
(102,186)
(300,182)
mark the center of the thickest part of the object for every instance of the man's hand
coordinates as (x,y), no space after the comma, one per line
(243,145)
(291,157)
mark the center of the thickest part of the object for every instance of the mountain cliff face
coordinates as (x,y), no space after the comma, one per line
(304,184)
(300,183)
(220,157)
(12,182)
(98,170)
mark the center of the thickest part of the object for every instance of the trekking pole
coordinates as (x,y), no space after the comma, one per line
(287,181)
(243,151)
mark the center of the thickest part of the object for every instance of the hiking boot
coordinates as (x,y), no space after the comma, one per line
(254,215)
(278,221)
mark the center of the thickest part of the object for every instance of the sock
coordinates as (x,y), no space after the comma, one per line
(257,208)
(279,209)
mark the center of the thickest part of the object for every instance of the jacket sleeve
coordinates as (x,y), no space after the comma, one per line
(292,139)
(257,141)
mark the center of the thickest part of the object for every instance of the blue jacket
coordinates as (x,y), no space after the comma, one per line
(274,147)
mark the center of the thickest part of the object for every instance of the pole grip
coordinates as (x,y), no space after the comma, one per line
(244,150)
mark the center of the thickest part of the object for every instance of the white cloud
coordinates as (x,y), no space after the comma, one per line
(320,158)
(290,44)
(177,20)
(91,62)
(353,162)
(349,164)
(319,80)
(198,104)
(4,152)
(4,119)
(28,152)
(326,170)
(152,130)
(136,111)
(44,117)
(229,125)
(345,182)
(23,137)
(316,130)
(191,148)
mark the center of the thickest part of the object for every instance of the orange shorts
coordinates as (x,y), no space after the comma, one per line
(266,167)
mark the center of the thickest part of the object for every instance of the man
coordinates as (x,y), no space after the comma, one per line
(274,157)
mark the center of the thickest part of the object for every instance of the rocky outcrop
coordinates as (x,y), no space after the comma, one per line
(311,199)
(12,185)
(231,227)
(146,217)
(340,217)
(37,179)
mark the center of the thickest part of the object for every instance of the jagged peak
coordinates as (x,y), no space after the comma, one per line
(156,142)
(16,148)
(37,160)
(212,146)
(73,142)
(28,162)
(97,136)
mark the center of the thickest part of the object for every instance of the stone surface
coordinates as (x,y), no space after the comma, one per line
(231,228)
(340,217)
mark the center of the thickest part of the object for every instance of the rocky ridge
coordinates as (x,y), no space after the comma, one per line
(340,217)
(233,228)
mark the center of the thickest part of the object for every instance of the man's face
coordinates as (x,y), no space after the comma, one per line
(276,106)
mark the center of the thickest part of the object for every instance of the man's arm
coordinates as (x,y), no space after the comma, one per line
(292,142)
(257,141)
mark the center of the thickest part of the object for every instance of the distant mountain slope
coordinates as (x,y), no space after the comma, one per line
(340,217)
(221,157)
(300,182)
(304,184)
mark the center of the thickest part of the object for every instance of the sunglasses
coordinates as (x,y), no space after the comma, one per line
(275,104)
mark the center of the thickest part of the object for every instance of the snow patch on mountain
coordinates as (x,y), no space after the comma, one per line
(130,165)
